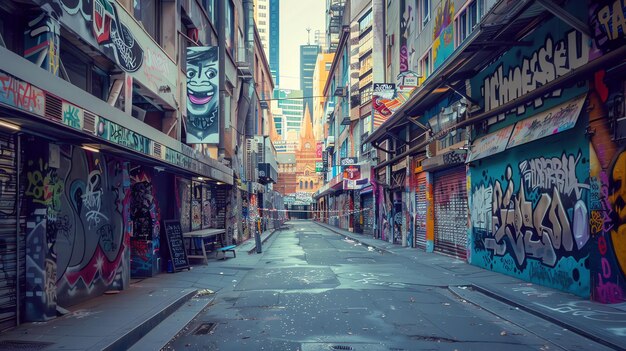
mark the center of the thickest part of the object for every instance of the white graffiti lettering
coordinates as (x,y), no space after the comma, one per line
(548,62)
(547,173)
(92,199)
(481,207)
(531,232)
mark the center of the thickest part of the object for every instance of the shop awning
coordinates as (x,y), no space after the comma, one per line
(550,122)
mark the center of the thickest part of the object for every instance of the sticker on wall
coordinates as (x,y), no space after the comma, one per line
(202,121)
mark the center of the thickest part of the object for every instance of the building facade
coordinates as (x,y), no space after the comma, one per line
(468,163)
(104,118)
(292,106)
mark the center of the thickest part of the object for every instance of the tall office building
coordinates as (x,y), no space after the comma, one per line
(308,59)
(274,28)
(290,101)
(262,19)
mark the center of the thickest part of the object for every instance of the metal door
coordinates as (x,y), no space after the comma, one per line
(450,195)
(420,212)
(11,245)
(368,214)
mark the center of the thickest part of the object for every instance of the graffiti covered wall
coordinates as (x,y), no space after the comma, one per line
(81,210)
(529,214)
(107,26)
(607,194)
(145,215)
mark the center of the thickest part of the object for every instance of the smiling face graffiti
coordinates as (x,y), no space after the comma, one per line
(202,99)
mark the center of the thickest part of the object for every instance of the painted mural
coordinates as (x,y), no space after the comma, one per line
(106,25)
(443,33)
(41,41)
(202,95)
(529,215)
(76,220)
(556,50)
(608,194)
(146,218)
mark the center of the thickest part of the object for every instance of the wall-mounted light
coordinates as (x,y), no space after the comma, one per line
(200,178)
(219,183)
(10,125)
(89,148)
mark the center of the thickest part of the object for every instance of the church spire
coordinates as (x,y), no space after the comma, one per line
(306,127)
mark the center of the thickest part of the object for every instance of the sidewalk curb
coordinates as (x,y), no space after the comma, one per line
(353,237)
(135,334)
(540,314)
(253,249)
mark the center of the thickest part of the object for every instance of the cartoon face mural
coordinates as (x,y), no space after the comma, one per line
(202,95)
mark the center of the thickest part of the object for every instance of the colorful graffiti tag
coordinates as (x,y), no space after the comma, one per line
(531,220)
(22,95)
(85,242)
(146,218)
(41,41)
(607,198)
(106,25)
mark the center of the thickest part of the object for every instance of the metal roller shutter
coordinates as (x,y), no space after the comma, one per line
(450,195)
(420,212)
(368,214)
(10,248)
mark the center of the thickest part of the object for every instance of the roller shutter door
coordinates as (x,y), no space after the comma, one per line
(420,212)
(450,195)
(8,235)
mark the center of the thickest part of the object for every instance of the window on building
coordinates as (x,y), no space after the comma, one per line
(425,65)
(467,20)
(306,184)
(424,7)
(82,72)
(365,22)
(230,27)
(209,7)
(311,186)
(147,13)
(327,66)
(300,184)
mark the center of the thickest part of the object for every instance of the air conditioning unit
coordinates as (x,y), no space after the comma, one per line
(330,142)
(340,91)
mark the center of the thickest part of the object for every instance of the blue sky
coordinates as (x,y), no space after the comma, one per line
(295,17)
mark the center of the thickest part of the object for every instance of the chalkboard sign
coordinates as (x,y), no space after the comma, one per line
(176,244)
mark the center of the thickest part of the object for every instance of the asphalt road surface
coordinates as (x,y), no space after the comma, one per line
(312,289)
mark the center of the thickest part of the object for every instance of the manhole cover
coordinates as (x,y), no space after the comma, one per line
(204,328)
(23,345)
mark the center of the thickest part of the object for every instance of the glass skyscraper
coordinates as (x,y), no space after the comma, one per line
(275,40)
(308,59)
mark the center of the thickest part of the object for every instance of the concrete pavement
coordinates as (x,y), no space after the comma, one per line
(605,324)
(116,321)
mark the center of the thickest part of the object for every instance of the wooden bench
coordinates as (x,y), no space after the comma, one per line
(224,249)
(207,237)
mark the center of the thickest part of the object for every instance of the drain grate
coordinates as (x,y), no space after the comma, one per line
(205,328)
(23,345)
(341,347)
